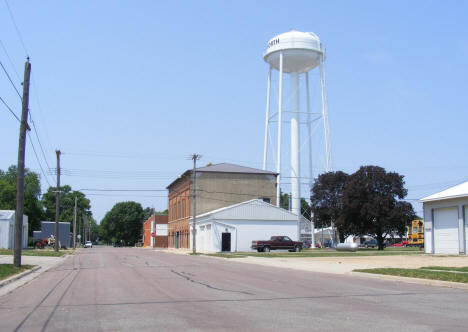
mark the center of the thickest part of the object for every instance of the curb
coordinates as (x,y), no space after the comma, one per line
(18,276)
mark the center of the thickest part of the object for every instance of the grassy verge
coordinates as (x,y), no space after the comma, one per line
(445,268)
(7,270)
(37,252)
(319,253)
(422,273)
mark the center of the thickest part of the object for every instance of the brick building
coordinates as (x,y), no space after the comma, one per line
(155,231)
(218,186)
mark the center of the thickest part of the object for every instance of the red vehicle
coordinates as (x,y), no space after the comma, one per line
(400,244)
(277,242)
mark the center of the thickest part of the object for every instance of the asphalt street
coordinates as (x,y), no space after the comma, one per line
(134,289)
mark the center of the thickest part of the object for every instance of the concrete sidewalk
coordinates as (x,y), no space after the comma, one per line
(43,263)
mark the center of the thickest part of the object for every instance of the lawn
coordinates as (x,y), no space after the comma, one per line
(455,274)
(322,253)
(7,270)
(37,252)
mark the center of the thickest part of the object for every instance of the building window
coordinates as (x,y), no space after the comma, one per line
(183,208)
(179,213)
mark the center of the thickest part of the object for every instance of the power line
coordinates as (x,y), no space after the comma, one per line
(38,161)
(38,140)
(11,81)
(9,59)
(122,190)
(17,29)
(8,107)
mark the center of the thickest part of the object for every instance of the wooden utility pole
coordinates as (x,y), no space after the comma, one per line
(20,169)
(57,204)
(74,225)
(195,157)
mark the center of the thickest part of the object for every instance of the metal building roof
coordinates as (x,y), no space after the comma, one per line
(6,214)
(254,209)
(224,168)
(460,190)
(232,168)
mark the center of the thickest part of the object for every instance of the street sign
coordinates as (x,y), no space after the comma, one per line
(78,236)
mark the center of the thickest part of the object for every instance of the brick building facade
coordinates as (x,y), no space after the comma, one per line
(155,225)
(218,186)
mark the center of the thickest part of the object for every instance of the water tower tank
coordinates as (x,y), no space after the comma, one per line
(301,51)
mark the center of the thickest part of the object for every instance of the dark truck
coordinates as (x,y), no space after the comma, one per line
(277,242)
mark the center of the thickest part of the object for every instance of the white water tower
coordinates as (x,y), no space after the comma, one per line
(295,53)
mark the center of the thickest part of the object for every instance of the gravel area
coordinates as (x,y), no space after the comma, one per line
(345,265)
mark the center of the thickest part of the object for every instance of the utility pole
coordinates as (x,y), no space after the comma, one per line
(57,204)
(20,169)
(74,225)
(194,157)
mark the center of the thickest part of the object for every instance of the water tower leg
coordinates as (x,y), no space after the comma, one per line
(267,120)
(325,117)
(295,144)
(280,113)
(311,171)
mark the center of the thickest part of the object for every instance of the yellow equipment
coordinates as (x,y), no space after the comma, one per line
(416,233)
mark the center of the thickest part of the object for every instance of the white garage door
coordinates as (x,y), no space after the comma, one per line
(466,229)
(446,231)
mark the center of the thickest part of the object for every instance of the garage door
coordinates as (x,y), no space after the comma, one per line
(466,229)
(446,231)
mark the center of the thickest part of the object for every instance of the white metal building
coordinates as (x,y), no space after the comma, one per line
(7,229)
(445,221)
(233,228)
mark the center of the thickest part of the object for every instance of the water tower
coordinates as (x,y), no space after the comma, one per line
(296,54)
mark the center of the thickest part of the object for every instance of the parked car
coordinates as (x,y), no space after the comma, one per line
(307,244)
(88,244)
(371,244)
(400,244)
(277,242)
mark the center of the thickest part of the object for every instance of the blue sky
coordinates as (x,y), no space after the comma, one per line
(127,90)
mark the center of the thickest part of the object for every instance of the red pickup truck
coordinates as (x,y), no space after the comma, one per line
(277,242)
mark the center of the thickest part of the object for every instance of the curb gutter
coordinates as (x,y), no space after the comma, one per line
(18,276)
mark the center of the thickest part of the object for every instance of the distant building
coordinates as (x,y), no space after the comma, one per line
(155,231)
(446,221)
(48,229)
(218,186)
(7,229)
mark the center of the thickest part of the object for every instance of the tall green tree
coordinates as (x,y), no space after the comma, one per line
(32,192)
(123,222)
(372,203)
(305,207)
(148,212)
(327,202)
(67,204)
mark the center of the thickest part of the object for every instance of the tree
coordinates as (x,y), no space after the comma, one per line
(123,222)
(305,207)
(32,191)
(67,204)
(371,203)
(148,212)
(327,201)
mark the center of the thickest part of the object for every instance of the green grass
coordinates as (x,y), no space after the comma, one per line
(37,252)
(422,273)
(445,268)
(7,270)
(319,253)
